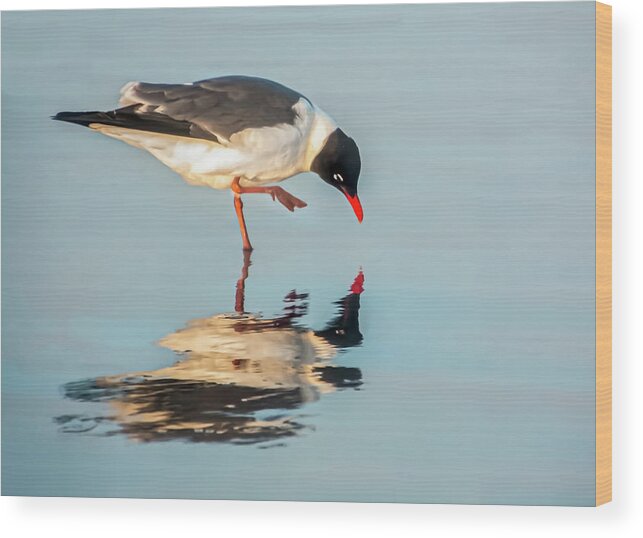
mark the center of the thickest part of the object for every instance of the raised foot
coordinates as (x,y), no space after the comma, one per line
(286,199)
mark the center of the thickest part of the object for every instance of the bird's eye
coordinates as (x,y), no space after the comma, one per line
(338,177)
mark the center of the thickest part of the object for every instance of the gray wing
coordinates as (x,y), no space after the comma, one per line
(214,108)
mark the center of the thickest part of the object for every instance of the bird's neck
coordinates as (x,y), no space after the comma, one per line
(321,128)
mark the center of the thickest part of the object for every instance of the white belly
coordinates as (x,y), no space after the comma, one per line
(200,162)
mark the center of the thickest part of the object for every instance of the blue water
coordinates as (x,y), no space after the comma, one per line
(460,370)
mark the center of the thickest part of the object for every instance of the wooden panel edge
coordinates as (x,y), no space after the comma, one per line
(603,253)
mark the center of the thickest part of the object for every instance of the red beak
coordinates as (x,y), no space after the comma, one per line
(356,205)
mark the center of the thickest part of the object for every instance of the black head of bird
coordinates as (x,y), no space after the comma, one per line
(339,165)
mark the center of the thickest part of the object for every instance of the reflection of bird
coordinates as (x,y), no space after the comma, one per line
(233,132)
(238,375)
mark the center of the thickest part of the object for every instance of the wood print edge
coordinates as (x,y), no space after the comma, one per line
(603,253)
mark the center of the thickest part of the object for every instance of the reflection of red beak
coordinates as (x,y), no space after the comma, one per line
(356,205)
(358,284)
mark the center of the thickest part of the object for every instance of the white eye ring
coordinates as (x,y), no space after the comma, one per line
(338,177)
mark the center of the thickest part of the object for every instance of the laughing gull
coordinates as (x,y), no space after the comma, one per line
(233,132)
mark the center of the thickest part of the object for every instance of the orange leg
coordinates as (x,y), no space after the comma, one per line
(286,199)
(238,206)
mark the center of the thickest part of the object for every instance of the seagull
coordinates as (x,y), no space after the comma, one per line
(233,132)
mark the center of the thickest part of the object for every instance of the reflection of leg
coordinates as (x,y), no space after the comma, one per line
(297,307)
(238,206)
(240,295)
(286,199)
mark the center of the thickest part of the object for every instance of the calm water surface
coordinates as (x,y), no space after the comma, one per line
(442,351)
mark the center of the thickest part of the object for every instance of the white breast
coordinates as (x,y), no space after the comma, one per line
(258,155)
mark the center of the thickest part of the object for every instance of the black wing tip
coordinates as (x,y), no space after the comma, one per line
(80,118)
(62,116)
(127,118)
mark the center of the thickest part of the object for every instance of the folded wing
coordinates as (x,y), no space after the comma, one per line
(213,109)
